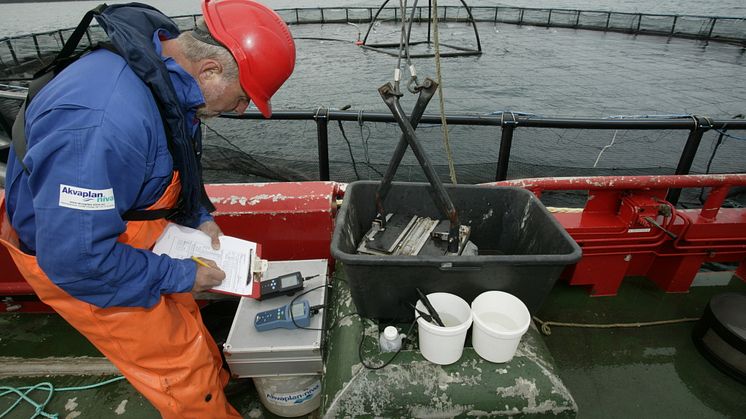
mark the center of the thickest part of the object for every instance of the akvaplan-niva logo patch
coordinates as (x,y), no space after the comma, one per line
(86,199)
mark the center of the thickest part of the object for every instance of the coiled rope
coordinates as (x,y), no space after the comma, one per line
(39,408)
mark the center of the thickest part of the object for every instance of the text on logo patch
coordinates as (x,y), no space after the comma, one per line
(86,199)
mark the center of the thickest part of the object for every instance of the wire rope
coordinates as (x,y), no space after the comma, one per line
(546,330)
(439,77)
(718,143)
(349,148)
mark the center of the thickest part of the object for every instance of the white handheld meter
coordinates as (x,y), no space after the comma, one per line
(285,317)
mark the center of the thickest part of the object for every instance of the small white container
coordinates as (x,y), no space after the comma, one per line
(444,345)
(390,339)
(500,320)
(289,396)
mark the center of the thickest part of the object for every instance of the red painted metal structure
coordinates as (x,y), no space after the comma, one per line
(293,221)
(627,228)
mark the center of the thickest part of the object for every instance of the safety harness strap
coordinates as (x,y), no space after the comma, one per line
(64,58)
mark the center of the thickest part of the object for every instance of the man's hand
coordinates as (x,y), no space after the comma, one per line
(207,277)
(212,229)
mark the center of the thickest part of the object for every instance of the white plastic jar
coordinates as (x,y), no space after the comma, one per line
(390,339)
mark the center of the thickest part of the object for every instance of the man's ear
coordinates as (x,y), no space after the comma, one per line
(209,69)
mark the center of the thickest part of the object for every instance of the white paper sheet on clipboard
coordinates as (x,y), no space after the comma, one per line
(235,256)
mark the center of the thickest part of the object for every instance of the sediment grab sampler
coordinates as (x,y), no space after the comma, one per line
(412,234)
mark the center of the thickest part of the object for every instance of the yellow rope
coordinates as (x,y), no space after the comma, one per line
(446,143)
(565,210)
(545,329)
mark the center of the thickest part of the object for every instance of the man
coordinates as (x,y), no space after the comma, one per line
(111,148)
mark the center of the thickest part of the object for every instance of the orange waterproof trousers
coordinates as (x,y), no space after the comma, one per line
(164,351)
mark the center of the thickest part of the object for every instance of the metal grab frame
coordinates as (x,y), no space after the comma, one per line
(427,92)
(627,228)
(391,97)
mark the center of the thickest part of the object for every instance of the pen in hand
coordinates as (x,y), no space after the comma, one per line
(200,262)
(206,279)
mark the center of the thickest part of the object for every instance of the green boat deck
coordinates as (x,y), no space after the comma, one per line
(650,371)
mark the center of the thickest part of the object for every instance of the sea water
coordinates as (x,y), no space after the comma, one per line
(28,17)
(552,72)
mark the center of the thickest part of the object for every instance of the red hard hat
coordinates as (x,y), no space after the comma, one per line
(259,40)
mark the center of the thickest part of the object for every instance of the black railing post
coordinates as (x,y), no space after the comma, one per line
(297,17)
(12,52)
(712,27)
(322,136)
(496,9)
(506,142)
(608,18)
(549,18)
(577,18)
(639,22)
(701,125)
(36,45)
(520,18)
(322,15)
(62,37)
(673,26)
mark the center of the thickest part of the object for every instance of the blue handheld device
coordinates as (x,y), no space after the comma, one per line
(280,317)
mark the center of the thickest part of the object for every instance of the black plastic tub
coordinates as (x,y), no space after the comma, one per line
(522,248)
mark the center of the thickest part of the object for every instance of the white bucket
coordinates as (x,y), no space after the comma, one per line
(444,345)
(289,396)
(500,319)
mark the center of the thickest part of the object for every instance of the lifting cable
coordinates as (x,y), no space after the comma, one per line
(439,79)
(413,85)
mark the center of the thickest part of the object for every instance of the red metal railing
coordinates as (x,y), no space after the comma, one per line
(628,228)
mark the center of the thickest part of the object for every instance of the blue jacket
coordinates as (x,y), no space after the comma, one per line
(95,131)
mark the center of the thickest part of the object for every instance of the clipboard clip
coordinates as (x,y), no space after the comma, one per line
(257,267)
